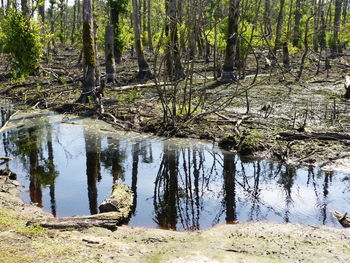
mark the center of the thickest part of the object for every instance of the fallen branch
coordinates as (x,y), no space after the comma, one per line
(328,136)
(5,160)
(343,219)
(7,121)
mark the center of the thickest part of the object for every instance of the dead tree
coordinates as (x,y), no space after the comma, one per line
(144,71)
(231,42)
(335,47)
(109,54)
(89,81)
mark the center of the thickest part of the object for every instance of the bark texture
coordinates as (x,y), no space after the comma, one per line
(231,42)
(173,59)
(109,53)
(144,71)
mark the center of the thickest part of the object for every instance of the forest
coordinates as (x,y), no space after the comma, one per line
(241,73)
(225,119)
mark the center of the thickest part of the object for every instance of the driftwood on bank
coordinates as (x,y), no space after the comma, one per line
(121,198)
(115,211)
(343,219)
(109,220)
(328,136)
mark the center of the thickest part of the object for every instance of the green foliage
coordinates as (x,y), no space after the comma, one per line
(129,97)
(125,35)
(21,39)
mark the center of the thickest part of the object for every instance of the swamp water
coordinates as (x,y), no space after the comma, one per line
(68,165)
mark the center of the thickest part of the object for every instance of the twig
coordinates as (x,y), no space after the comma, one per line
(5,124)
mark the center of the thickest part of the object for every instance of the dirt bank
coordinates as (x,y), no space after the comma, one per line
(248,242)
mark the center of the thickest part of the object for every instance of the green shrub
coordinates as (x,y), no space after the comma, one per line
(20,38)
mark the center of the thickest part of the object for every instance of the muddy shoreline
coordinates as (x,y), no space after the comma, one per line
(251,135)
(262,241)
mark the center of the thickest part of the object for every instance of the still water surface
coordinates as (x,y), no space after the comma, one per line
(68,165)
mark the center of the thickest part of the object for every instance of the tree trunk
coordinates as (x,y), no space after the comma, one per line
(72,38)
(285,55)
(41,11)
(231,42)
(345,10)
(279,27)
(61,36)
(297,18)
(144,71)
(322,34)
(114,19)
(149,29)
(173,58)
(3,7)
(25,4)
(89,54)
(267,20)
(144,23)
(335,47)
(109,53)
(317,12)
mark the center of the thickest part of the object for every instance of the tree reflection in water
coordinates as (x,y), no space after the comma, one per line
(194,186)
(93,167)
(29,144)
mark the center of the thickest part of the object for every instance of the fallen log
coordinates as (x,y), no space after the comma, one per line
(120,199)
(109,220)
(114,212)
(343,219)
(328,136)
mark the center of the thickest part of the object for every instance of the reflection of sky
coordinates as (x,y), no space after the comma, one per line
(71,184)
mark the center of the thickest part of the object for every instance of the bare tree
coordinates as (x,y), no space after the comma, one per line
(89,81)
(335,47)
(173,58)
(144,71)
(297,18)
(280,20)
(231,42)
(109,54)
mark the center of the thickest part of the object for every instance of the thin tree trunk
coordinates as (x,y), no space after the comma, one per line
(72,38)
(109,52)
(297,18)
(144,22)
(173,58)
(231,42)
(3,7)
(41,11)
(149,29)
(26,11)
(317,13)
(114,19)
(267,19)
(61,21)
(322,34)
(336,48)
(279,27)
(144,71)
(345,10)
